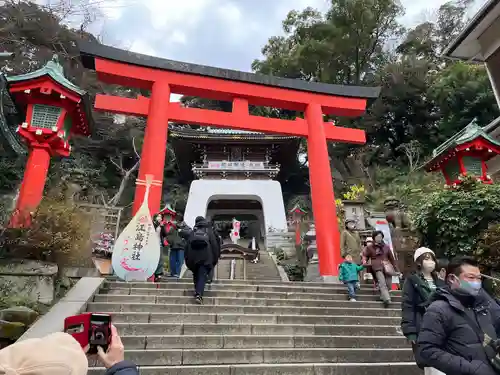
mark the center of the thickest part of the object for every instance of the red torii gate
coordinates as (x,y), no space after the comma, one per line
(163,77)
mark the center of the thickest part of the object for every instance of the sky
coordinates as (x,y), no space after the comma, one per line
(222,33)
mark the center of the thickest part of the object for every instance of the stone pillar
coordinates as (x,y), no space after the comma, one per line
(31,191)
(323,199)
(154,148)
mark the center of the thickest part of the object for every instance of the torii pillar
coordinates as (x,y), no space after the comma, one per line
(162,76)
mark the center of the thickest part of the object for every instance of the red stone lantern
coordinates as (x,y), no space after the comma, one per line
(466,153)
(55,109)
(297,214)
(168,213)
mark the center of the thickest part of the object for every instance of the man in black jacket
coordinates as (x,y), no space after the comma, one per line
(456,324)
(202,252)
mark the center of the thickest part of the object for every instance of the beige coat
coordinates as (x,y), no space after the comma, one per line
(350,244)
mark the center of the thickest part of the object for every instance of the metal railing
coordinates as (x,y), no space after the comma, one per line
(232,271)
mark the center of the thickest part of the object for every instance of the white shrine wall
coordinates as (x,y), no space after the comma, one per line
(267,192)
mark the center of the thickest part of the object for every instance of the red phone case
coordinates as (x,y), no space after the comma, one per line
(80,327)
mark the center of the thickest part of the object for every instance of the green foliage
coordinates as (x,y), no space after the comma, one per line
(59,233)
(410,189)
(452,220)
(280,255)
(488,250)
(295,272)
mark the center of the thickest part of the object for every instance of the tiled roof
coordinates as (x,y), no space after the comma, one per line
(467,134)
(213,133)
(54,70)
(229,131)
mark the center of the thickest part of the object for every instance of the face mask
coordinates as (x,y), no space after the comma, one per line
(428,265)
(470,287)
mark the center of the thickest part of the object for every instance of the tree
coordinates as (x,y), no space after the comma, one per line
(343,46)
(463,93)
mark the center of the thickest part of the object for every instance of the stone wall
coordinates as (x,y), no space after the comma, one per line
(30,280)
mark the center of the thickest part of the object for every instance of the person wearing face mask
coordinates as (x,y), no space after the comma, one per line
(417,291)
(350,242)
(458,334)
(379,257)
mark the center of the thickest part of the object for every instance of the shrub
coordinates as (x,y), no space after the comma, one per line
(59,233)
(451,221)
(488,250)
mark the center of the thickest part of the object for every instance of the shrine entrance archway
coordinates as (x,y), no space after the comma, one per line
(248,211)
(267,192)
(162,77)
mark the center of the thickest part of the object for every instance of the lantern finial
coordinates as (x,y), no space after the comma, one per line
(54,65)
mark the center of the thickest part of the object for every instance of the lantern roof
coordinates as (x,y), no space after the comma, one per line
(468,134)
(297,209)
(52,69)
(52,73)
(168,210)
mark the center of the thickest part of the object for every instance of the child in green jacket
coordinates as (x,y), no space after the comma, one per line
(348,274)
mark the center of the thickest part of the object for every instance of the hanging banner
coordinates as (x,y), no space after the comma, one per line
(235,232)
(137,251)
(383,226)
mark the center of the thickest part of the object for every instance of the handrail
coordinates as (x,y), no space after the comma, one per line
(490,277)
(233,266)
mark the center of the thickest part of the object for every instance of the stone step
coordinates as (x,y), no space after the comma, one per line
(381,368)
(356,310)
(139,329)
(176,357)
(362,295)
(146,317)
(242,342)
(269,283)
(159,299)
(240,286)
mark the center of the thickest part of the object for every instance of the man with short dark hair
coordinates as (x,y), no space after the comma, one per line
(202,252)
(458,335)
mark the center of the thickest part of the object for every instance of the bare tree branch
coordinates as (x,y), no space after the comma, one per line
(118,166)
(126,177)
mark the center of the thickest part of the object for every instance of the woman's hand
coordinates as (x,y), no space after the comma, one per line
(115,353)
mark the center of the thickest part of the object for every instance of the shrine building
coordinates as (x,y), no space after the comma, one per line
(479,42)
(235,173)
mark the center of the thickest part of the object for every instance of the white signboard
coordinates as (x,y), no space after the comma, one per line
(236,164)
(137,250)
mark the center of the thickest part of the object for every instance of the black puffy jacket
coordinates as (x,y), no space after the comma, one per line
(123,368)
(416,295)
(208,257)
(447,340)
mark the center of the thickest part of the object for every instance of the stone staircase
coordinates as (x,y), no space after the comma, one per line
(265,269)
(255,327)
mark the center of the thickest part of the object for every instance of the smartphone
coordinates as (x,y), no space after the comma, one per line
(92,329)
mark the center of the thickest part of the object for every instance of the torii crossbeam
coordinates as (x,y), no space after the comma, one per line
(164,77)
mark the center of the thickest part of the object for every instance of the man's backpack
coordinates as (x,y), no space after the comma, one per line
(199,239)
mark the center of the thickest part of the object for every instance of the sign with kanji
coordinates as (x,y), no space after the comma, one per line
(247,164)
(137,250)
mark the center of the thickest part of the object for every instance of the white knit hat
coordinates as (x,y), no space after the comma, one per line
(55,354)
(420,251)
